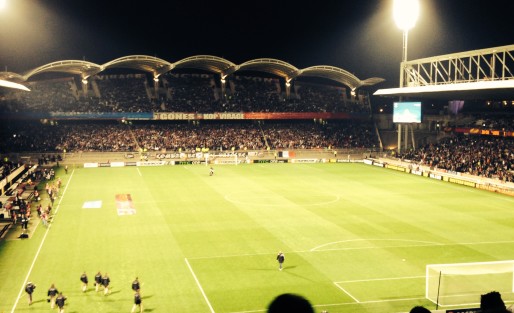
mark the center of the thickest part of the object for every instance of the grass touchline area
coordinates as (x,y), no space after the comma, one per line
(38,250)
(356,238)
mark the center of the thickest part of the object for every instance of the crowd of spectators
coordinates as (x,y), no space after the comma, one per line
(342,135)
(201,93)
(45,95)
(254,94)
(485,156)
(178,93)
(6,167)
(185,136)
(187,92)
(500,122)
(123,93)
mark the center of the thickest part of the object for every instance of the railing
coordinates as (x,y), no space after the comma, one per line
(492,64)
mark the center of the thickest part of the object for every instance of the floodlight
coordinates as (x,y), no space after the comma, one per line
(9,84)
(406,13)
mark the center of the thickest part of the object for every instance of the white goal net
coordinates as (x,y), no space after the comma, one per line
(461,284)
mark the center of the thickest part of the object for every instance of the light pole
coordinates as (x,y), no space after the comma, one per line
(406,14)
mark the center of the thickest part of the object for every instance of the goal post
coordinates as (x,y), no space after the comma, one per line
(459,284)
(230,158)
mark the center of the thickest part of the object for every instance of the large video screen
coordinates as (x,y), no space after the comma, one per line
(407,112)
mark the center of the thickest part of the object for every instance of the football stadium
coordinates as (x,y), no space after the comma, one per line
(199,184)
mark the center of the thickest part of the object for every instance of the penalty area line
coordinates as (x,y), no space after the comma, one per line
(199,285)
(349,294)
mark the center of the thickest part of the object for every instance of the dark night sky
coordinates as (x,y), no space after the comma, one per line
(359,36)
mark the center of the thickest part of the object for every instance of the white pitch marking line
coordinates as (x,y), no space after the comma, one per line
(357,248)
(349,294)
(353,240)
(378,279)
(30,271)
(366,302)
(350,303)
(40,247)
(199,285)
(139,171)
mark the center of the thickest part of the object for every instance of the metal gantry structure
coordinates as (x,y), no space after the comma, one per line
(486,74)
(484,65)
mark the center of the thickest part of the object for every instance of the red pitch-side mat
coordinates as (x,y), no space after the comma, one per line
(124,205)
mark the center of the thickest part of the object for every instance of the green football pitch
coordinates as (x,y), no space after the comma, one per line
(356,238)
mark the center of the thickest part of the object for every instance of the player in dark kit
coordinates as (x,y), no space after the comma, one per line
(280,258)
(105,282)
(135,285)
(60,302)
(52,293)
(83,279)
(29,289)
(98,281)
(137,302)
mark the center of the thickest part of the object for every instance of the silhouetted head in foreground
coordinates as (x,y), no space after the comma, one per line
(492,302)
(290,303)
(419,309)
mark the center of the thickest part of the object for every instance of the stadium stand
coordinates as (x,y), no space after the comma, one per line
(114,136)
(488,157)
(179,93)
(449,150)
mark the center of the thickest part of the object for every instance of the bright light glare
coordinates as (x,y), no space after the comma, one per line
(8,84)
(3,4)
(406,13)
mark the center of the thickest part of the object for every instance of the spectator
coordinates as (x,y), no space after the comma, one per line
(419,309)
(287,302)
(492,302)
